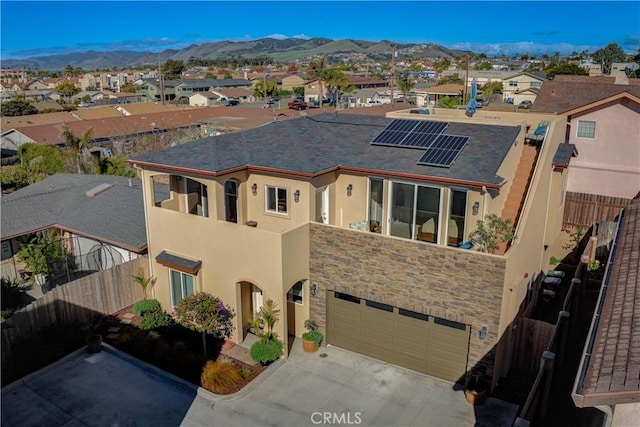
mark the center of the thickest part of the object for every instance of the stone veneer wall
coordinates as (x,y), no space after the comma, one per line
(459,285)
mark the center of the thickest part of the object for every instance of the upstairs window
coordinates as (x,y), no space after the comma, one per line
(513,83)
(536,85)
(586,129)
(276,200)
(196,198)
(231,201)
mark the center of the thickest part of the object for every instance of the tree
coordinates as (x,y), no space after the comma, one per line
(336,83)
(67,89)
(608,55)
(453,78)
(567,68)
(210,75)
(204,313)
(113,166)
(492,231)
(36,162)
(405,84)
(490,88)
(128,87)
(271,89)
(17,107)
(76,143)
(484,65)
(227,75)
(173,69)
(143,281)
(315,70)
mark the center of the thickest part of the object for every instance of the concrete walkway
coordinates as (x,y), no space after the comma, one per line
(111,388)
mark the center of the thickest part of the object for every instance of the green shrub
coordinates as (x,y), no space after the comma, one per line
(217,375)
(155,319)
(265,351)
(246,373)
(146,305)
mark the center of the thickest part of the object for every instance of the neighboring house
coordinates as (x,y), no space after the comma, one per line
(291,82)
(48,106)
(430,97)
(607,378)
(186,88)
(314,90)
(367,97)
(12,139)
(105,228)
(514,84)
(361,82)
(361,237)
(240,93)
(204,99)
(603,121)
(94,95)
(525,95)
(90,80)
(36,84)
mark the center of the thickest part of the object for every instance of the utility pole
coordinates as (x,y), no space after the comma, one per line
(393,70)
(161,83)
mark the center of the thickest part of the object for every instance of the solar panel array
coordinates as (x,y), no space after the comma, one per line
(441,150)
(444,152)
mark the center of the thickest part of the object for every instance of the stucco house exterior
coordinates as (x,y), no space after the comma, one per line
(514,84)
(358,236)
(291,82)
(603,122)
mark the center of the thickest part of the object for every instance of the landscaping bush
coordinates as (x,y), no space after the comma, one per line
(146,305)
(155,319)
(265,351)
(219,375)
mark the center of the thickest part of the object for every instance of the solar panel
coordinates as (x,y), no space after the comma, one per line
(444,151)
(410,133)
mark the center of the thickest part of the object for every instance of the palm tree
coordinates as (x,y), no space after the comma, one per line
(316,70)
(336,82)
(76,143)
(405,84)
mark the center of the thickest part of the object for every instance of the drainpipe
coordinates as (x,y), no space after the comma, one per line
(146,223)
(608,414)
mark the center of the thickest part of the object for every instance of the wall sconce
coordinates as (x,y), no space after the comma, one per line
(296,196)
(254,188)
(313,289)
(482,333)
(476,208)
(349,190)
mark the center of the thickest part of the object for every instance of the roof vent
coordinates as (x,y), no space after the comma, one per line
(98,189)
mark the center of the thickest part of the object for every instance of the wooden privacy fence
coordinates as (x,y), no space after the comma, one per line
(584,210)
(104,292)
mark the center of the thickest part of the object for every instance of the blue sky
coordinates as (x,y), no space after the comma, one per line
(510,27)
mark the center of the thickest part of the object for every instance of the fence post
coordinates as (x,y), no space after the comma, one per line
(546,363)
(563,324)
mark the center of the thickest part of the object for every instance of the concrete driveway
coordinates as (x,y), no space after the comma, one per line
(112,389)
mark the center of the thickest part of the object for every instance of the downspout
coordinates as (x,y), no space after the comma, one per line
(146,226)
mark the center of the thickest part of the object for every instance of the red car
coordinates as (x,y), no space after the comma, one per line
(297,104)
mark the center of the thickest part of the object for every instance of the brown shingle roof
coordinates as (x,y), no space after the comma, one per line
(613,373)
(565,93)
(19,122)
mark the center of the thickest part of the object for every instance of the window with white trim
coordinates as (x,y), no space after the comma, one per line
(586,129)
(276,200)
(182,285)
(513,83)
(295,294)
(536,85)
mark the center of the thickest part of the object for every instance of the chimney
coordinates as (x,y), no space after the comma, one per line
(245,75)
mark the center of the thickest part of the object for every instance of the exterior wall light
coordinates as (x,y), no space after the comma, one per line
(254,188)
(476,208)
(296,196)
(482,333)
(314,289)
(349,190)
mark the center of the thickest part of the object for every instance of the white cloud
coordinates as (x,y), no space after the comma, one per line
(522,47)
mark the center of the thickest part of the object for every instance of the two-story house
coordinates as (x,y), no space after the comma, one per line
(521,87)
(603,122)
(361,223)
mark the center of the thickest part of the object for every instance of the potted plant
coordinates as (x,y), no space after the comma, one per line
(476,387)
(311,339)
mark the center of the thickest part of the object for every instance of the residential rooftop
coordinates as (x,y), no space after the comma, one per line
(310,146)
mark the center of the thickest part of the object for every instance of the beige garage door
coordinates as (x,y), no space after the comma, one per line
(413,340)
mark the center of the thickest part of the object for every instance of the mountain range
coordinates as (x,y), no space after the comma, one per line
(281,50)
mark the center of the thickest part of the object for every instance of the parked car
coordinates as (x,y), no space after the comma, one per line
(231,102)
(480,102)
(526,104)
(268,104)
(297,104)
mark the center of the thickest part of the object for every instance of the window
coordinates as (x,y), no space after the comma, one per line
(375,204)
(415,212)
(295,293)
(231,201)
(536,85)
(277,200)
(181,286)
(586,129)
(197,198)
(455,233)
(513,83)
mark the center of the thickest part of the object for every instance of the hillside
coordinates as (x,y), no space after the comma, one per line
(285,50)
